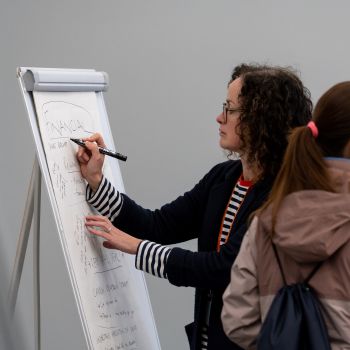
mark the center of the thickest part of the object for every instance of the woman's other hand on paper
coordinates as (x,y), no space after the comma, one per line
(114,238)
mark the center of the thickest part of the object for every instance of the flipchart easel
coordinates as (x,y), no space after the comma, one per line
(47,79)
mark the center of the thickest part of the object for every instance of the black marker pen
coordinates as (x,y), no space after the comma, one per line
(102,150)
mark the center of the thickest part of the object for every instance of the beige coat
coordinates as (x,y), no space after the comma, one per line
(312,226)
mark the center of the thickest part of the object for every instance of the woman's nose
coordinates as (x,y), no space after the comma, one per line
(220,118)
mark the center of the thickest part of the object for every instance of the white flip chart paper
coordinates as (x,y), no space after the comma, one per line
(111,295)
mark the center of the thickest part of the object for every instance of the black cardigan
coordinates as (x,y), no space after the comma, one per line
(198,214)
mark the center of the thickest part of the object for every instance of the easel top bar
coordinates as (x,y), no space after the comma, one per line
(54,79)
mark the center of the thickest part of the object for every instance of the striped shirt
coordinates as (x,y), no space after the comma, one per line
(237,197)
(152,257)
(236,200)
(106,200)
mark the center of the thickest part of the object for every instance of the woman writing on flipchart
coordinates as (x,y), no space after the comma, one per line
(263,104)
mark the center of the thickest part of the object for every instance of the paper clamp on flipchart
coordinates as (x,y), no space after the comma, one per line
(41,79)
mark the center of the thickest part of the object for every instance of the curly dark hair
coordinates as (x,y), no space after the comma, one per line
(273,100)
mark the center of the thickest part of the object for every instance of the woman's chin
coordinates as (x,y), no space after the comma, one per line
(226,147)
(223,144)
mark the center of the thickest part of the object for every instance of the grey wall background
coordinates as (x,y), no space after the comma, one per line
(168,62)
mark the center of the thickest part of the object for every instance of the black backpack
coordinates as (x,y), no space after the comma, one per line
(294,321)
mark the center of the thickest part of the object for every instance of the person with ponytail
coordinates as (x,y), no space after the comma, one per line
(307,218)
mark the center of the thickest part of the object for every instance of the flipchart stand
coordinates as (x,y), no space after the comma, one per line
(53,80)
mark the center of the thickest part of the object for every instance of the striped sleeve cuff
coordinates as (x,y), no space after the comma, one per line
(152,258)
(106,200)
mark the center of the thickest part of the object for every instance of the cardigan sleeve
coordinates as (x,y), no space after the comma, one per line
(186,268)
(178,221)
(241,316)
(204,269)
(174,222)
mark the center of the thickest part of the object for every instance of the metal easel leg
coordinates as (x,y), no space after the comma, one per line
(32,203)
(36,259)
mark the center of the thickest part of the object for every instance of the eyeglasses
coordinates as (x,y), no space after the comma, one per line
(226,110)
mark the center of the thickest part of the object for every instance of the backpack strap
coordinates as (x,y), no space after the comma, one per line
(314,270)
(279,263)
(307,279)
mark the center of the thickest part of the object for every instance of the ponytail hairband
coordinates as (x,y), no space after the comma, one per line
(312,126)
